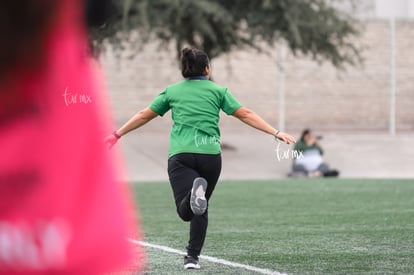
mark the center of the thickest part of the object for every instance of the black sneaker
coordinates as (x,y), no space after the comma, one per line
(191,263)
(198,201)
(331,173)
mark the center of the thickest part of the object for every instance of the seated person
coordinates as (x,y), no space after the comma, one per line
(310,163)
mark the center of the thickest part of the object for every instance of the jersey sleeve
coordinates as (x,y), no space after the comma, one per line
(160,104)
(229,104)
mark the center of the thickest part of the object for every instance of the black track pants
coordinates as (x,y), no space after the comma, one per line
(182,170)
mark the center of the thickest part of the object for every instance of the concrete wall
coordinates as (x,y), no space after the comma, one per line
(317,95)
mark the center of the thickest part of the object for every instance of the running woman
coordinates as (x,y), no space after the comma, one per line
(194,162)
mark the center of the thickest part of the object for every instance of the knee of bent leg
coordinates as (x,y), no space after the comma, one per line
(185,216)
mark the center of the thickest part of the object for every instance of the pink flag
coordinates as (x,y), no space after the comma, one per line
(62,209)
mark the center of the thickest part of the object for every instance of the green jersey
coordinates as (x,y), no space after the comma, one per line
(195,106)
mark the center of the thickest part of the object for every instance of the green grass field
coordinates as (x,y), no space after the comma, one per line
(323,226)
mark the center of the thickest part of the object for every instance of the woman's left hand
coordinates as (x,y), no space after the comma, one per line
(286,138)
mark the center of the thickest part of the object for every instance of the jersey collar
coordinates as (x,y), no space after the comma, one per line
(201,77)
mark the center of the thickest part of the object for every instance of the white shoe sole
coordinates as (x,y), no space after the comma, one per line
(192,266)
(198,201)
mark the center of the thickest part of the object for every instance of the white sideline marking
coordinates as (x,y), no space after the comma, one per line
(208,258)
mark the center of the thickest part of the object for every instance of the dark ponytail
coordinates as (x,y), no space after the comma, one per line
(193,62)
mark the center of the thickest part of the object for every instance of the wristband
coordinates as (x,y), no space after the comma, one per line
(115,134)
(276,133)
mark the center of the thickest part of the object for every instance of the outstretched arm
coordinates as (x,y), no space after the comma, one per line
(138,120)
(254,120)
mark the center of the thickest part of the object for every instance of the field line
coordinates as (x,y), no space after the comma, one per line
(208,258)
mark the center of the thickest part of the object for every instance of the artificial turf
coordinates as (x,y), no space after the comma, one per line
(319,226)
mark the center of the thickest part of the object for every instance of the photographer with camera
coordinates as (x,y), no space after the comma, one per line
(310,163)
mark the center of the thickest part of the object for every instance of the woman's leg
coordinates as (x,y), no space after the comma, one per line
(209,167)
(323,168)
(327,171)
(299,170)
(181,171)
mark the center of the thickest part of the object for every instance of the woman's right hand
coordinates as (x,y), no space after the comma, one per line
(110,141)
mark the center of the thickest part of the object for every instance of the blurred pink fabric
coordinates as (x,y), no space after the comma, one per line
(62,209)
